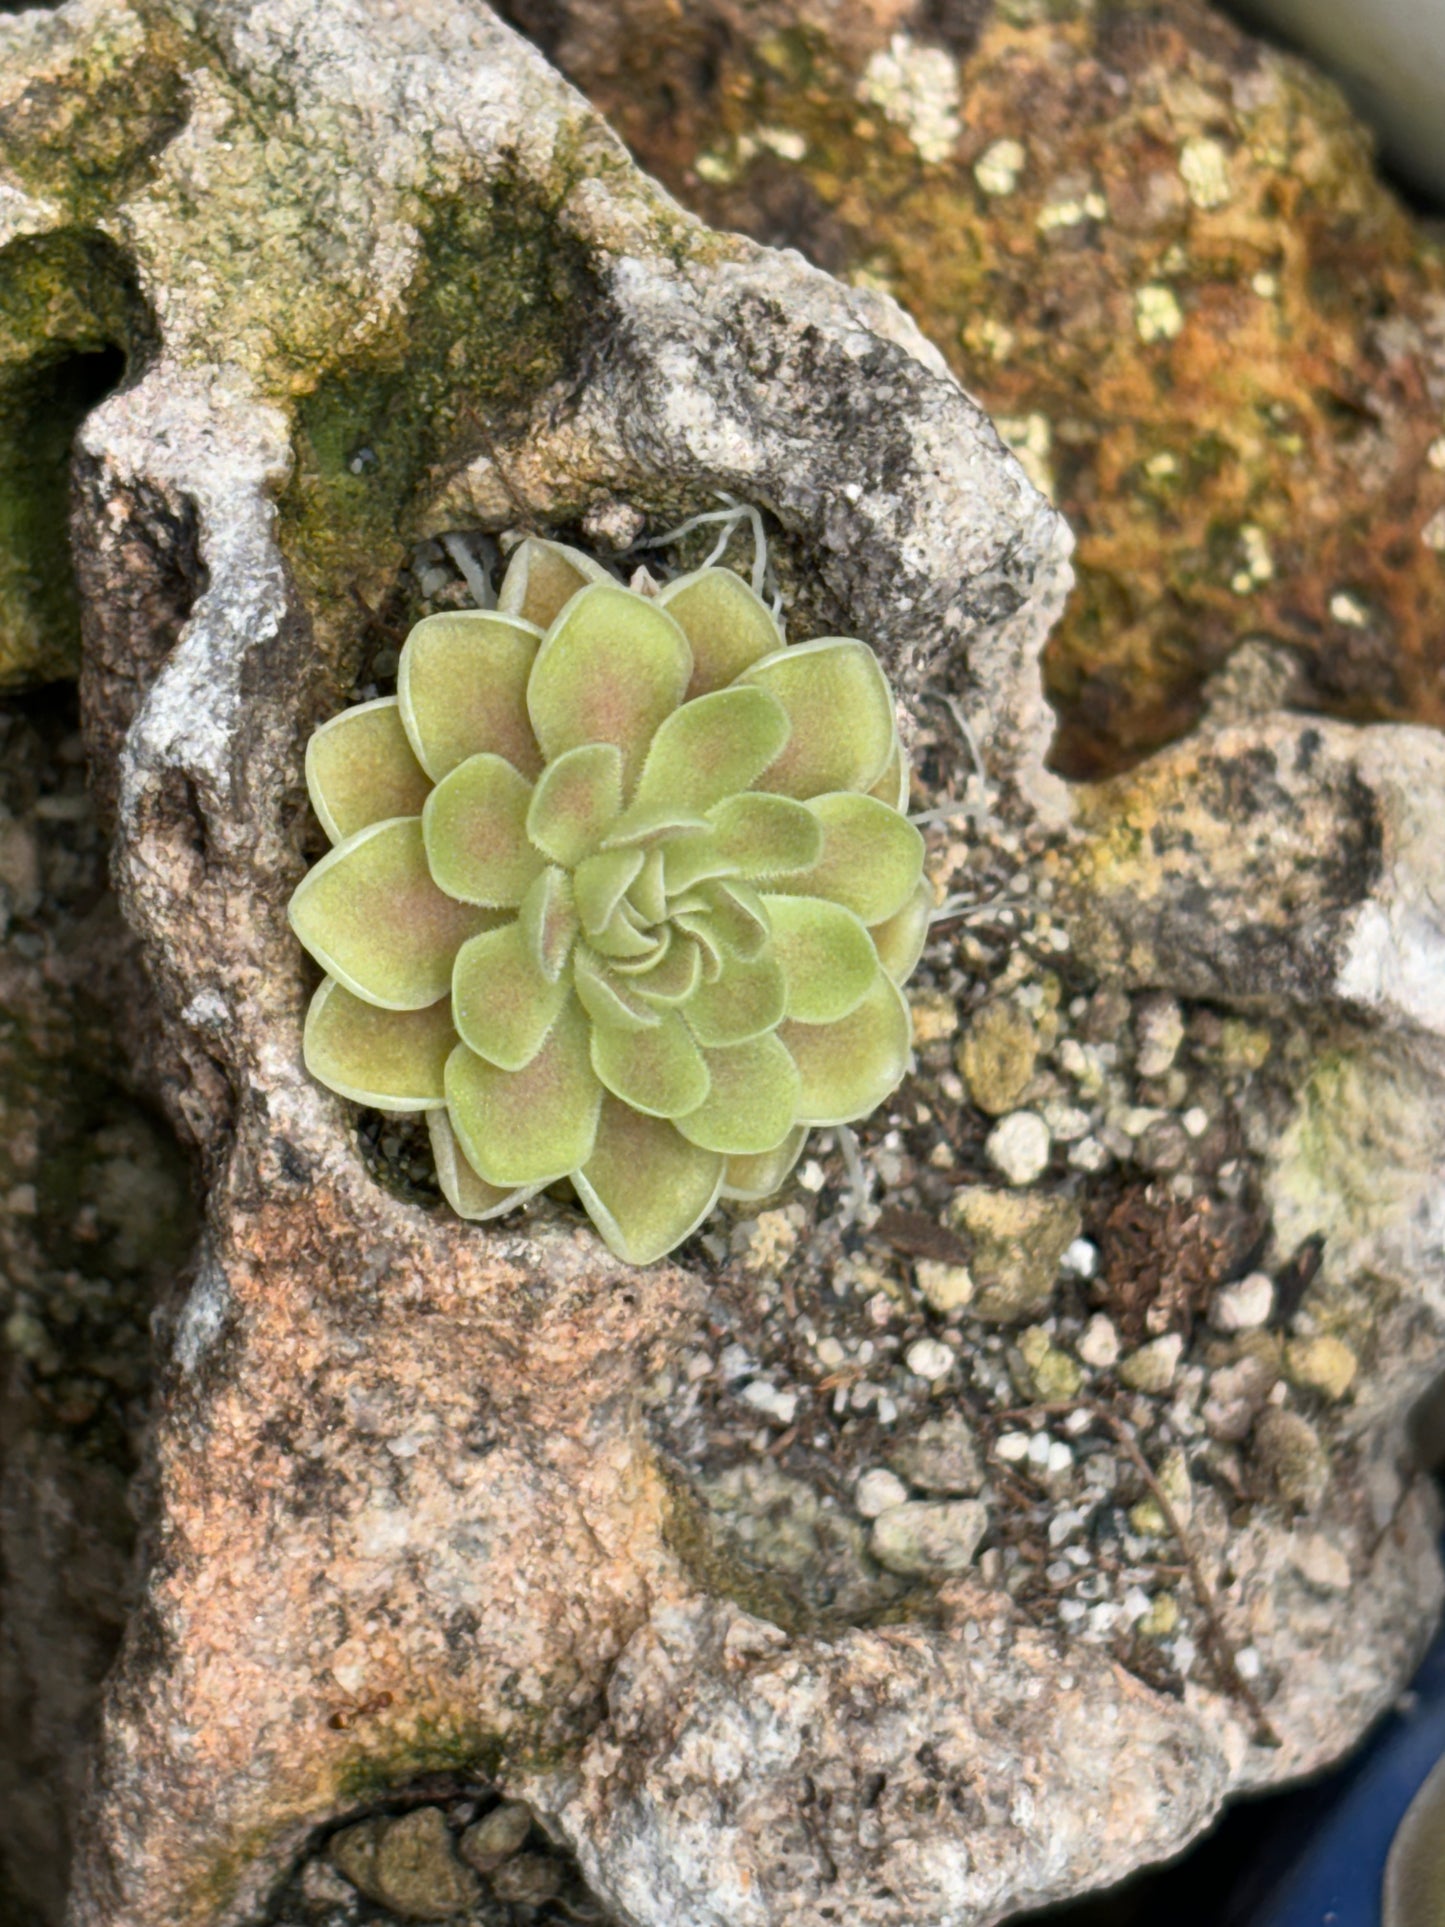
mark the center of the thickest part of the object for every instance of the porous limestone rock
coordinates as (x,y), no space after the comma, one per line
(407,1510)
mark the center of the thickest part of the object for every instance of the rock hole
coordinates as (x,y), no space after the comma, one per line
(76,326)
(444,1849)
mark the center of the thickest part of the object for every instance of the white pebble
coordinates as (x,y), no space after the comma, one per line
(1040,1449)
(929,1358)
(1195,1120)
(1088,1155)
(1061,1459)
(1245,1306)
(1013,1447)
(1247,1662)
(878,1490)
(1081,1260)
(1099,1343)
(831,1354)
(783,1406)
(1019,1146)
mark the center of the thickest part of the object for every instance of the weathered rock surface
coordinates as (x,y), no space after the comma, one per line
(414,1508)
(1157,252)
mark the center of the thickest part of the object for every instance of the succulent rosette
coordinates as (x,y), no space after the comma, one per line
(622,892)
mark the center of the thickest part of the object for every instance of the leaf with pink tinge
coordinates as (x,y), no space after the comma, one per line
(361,769)
(542,578)
(848,1068)
(531,1126)
(659,1071)
(713,747)
(462,687)
(762,1175)
(841,713)
(727,626)
(752,1103)
(747,999)
(691,859)
(871,858)
(899,942)
(475,824)
(372,917)
(393,1060)
(645,1187)
(827,957)
(610,1000)
(610,668)
(502,1005)
(469,1194)
(575,802)
(765,836)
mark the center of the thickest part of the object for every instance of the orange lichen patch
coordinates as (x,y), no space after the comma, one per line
(1158,254)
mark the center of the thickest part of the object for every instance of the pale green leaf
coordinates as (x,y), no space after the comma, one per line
(624,941)
(748,998)
(610,668)
(674,976)
(727,625)
(502,1005)
(827,956)
(531,1126)
(548,919)
(475,825)
(372,917)
(648,895)
(766,836)
(645,1187)
(649,823)
(697,925)
(749,1179)
(871,860)
(600,882)
(692,858)
(609,999)
(393,1060)
(542,578)
(575,802)
(712,747)
(659,1071)
(736,916)
(848,1068)
(752,1101)
(462,689)
(841,713)
(469,1194)
(899,942)
(361,769)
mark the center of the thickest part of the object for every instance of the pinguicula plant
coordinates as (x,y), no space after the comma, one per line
(622,892)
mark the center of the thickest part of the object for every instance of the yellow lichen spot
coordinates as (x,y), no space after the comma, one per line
(1204,169)
(1346,609)
(1161,467)
(998,167)
(785,142)
(1032,439)
(1157,313)
(989,337)
(917,88)
(1070,211)
(1258,562)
